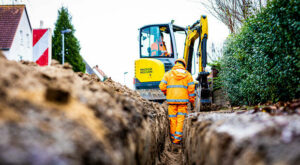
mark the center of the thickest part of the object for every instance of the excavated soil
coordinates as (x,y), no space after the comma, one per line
(51,115)
(261,136)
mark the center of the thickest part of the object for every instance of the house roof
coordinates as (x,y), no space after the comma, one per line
(10,16)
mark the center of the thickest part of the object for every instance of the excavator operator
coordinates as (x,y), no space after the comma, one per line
(179,88)
(158,48)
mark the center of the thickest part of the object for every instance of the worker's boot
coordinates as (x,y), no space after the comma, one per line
(176,147)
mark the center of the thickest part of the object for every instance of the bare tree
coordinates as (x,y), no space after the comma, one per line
(233,12)
(216,52)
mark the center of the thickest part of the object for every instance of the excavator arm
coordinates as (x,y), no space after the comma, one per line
(199,30)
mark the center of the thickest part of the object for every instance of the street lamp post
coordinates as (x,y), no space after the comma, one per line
(63,43)
(124,77)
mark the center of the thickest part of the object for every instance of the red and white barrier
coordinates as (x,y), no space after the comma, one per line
(42,46)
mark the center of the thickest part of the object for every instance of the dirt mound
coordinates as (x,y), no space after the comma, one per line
(250,137)
(51,115)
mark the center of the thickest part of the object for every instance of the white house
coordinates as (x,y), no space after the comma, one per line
(15,33)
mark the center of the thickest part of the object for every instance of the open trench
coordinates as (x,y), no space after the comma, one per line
(51,115)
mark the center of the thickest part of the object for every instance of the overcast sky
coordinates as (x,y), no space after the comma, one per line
(108,29)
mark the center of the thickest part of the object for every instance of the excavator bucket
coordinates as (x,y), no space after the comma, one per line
(204,93)
(203,100)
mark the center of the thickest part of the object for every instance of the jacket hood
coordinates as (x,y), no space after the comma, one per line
(179,71)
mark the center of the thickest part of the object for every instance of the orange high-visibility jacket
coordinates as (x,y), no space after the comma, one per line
(159,46)
(178,85)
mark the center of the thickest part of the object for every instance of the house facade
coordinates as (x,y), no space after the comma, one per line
(15,33)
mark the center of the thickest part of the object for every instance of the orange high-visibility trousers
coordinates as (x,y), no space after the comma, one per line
(177,114)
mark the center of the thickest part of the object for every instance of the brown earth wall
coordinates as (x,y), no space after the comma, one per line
(51,115)
(242,139)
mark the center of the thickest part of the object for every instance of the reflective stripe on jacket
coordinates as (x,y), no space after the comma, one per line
(178,85)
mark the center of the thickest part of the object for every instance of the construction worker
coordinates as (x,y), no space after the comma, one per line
(179,88)
(158,48)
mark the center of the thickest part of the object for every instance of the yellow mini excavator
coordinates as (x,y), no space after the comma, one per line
(158,52)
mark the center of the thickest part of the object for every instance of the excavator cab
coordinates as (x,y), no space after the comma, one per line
(156,42)
(158,53)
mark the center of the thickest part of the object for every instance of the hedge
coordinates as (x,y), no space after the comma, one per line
(261,62)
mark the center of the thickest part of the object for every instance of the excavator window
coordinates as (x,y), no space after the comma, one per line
(180,38)
(156,42)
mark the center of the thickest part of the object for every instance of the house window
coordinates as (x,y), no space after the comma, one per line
(28,40)
(22,39)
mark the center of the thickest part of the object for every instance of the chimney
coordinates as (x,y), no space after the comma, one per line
(41,24)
